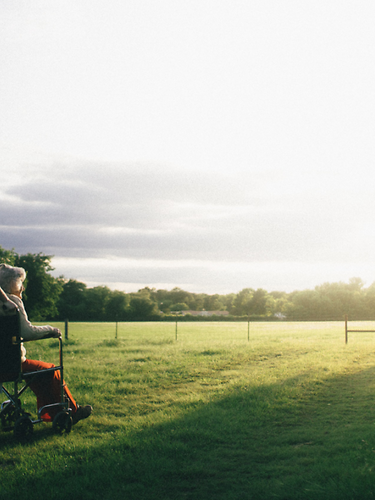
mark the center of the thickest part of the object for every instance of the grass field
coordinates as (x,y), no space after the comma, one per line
(288,414)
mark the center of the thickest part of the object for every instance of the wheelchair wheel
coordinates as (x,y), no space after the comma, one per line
(62,423)
(8,417)
(23,428)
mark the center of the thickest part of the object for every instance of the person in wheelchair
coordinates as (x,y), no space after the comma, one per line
(47,388)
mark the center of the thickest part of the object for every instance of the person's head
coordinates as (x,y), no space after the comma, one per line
(11,279)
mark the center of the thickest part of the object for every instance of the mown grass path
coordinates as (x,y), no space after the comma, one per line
(288,415)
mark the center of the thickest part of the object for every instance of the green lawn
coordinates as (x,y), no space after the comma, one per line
(287,414)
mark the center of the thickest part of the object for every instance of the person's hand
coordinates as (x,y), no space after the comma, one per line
(56,333)
(9,306)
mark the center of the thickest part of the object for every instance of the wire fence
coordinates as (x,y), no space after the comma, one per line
(238,331)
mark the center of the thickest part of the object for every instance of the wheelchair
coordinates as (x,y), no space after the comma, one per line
(14,383)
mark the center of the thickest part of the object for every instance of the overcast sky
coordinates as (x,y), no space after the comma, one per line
(207,144)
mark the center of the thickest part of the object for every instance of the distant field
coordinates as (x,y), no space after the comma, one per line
(287,413)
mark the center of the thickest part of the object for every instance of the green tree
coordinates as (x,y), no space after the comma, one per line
(213,303)
(97,299)
(177,295)
(142,308)
(42,290)
(8,256)
(117,308)
(303,305)
(242,302)
(355,284)
(369,301)
(195,301)
(180,306)
(228,301)
(277,302)
(338,299)
(72,301)
(165,306)
(258,302)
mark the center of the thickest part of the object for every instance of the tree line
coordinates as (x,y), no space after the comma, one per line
(57,299)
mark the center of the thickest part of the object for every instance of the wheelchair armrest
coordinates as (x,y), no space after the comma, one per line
(48,335)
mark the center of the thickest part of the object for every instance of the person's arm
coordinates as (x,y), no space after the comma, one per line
(6,304)
(28,331)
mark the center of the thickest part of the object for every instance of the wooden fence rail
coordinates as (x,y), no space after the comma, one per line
(347,331)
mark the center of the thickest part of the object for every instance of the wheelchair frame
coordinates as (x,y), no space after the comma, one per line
(12,415)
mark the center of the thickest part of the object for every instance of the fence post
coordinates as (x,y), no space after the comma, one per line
(66,328)
(116,328)
(176,326)
(248,329)
(346,328)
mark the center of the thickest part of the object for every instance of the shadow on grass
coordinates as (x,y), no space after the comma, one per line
(299,439)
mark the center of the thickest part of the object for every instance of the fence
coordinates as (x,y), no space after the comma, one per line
(249,327)
(354,330)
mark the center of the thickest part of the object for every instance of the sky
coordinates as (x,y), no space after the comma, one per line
(211,145)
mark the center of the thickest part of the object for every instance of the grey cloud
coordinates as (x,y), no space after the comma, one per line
(124,196)
(155,213)
(256,239)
